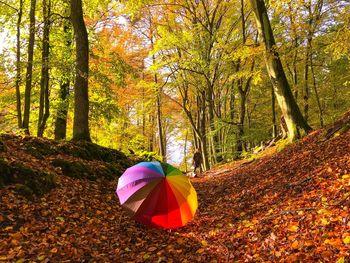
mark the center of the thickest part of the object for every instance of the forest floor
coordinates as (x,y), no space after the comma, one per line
(291,206)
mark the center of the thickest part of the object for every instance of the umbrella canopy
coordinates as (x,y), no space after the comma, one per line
(157,195)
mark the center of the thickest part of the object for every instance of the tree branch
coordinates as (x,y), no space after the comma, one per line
(10,6)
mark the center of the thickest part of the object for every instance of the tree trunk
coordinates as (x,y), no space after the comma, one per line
(29,73)
(162,145)
(81,97)
(295,53)
(62,110)
(18,64)
(320,110)
(61,119)
(185,150)
(203,137)
(241,119)
(273,113)
(297,125)
(151,137)
(44,107)
(306,75)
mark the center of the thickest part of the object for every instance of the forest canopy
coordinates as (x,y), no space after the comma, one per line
(160,78)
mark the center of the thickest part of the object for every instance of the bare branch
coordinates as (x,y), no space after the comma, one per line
(10,6)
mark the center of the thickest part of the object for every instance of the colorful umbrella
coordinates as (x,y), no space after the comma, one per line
(157,195)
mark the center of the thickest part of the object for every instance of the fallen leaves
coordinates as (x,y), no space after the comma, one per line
(292,206)
(346,240)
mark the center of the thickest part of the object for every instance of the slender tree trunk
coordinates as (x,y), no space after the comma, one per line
(18,64)
(143,106)
(44,107)
(29,73)
(232,102)
(295,53)
(198,122)
(162,145)
(151,137)
(306,76)
(81,95)
(320,110)
(312,21)
(161,139)
(215,138)
(185,150)
(203,138)
(232,113)
(241,118)
(273,113)
(297,125)
(62,111)
(243,91)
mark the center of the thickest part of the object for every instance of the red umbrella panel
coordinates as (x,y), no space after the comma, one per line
(157,195)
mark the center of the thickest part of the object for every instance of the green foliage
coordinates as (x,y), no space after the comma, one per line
(148,156)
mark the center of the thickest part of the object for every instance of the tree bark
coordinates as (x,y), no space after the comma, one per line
(295,53)
(241,118)
(61,119)
(81,97)
(273,113)
(18,64)
(29,72)
(306,66)
(297,125)
(162,145)
(44,107)
(320,110)
(62,111)
(203,137)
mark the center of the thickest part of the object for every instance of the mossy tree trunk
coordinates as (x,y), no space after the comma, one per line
(296,124)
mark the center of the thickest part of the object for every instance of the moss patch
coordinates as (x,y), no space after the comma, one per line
(74,169)
(80,170)
(39,182)
(91,151)
(5,173)
(39,148)
(2,146)
(25,191)
(32,181)
(109,171)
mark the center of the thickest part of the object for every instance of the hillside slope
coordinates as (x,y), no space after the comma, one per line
(291,206)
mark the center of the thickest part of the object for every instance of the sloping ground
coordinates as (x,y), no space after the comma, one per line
(33,164)
(289,207)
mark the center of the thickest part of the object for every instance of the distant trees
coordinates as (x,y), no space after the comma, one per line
(150,77)
(39,105)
